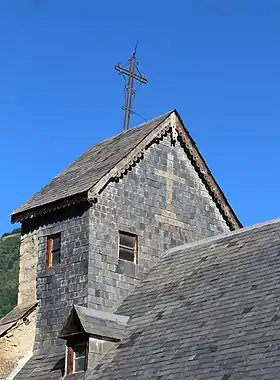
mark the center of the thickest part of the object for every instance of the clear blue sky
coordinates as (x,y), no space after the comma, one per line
(217,62)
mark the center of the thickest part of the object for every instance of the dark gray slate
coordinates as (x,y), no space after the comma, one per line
(44,367)
(208,310)
(65,284)
(90,167)
(164,202)
(98,324)
(161,199)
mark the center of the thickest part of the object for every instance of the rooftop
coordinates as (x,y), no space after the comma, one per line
(86,178)
(208,310)
(91,166)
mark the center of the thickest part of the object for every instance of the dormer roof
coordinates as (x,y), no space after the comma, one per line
(83,320)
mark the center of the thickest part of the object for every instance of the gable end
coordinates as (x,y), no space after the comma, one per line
(171,124)
(174,126)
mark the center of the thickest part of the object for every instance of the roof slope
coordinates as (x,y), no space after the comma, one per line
(14,316)
(210,310)
(91,166)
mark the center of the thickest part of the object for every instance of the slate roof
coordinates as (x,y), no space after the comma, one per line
(91,166)
(208,310)
(49,366)
(16,314)
(95,322)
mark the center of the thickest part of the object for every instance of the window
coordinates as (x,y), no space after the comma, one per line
(128,247)
(77,357)
(53,250)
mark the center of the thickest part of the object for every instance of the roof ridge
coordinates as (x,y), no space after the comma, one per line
(166,114)
(138,126)
(215,238)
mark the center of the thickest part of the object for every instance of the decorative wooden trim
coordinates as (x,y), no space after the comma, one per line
(135,156)
(42,210)
(205,174)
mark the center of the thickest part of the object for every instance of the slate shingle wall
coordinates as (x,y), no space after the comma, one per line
(164,202)
(66,283)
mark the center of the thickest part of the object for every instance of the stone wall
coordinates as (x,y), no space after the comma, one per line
(163,201)
(17,345)
(28,266)
(65,284)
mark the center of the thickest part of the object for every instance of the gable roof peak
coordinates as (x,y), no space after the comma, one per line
(85,178)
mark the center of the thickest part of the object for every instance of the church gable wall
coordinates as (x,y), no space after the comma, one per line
(164,202)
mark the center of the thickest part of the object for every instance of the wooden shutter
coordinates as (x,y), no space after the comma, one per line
(49,252)
(70,360)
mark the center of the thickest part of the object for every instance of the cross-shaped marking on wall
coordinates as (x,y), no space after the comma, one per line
(170,178)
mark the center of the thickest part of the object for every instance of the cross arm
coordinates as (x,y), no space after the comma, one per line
(140,78)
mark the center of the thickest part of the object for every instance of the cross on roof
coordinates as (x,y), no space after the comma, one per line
(130,75)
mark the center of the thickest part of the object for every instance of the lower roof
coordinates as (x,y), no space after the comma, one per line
(19,312)
(208,310)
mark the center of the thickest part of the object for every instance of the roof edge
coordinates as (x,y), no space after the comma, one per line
(76,198)
(215,238)
(48,207)
(207,177)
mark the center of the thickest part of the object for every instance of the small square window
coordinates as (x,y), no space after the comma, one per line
(77,357)
(53,250)
(128,247)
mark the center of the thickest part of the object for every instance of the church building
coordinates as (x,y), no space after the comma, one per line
(133,265)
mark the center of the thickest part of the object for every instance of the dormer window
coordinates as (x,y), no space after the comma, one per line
(128,247)
(89,331)
(76,357)
(53,250)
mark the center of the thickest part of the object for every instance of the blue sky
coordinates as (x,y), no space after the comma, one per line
(217,62)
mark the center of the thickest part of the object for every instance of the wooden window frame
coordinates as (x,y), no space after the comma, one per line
(50,251)
(134,249)
(71,356)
